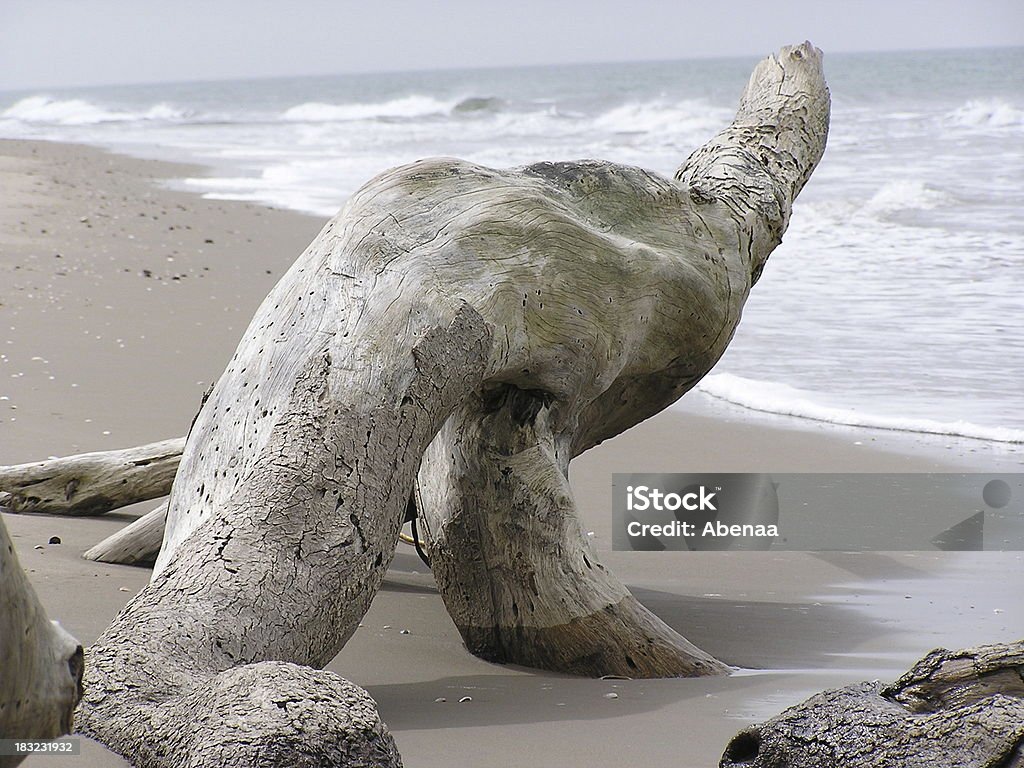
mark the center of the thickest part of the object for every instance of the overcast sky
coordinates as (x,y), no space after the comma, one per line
(88,42)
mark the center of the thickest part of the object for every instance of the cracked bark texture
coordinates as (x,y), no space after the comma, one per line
(955,709)
(40,663)
(461,332)
(284,570)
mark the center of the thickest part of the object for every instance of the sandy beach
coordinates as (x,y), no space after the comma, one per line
(123,300)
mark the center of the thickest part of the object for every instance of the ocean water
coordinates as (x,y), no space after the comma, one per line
(896,300)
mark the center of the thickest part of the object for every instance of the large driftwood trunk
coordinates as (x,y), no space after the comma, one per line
(955,709)
(631,289)
(461,332)
(40,663)
(267,590)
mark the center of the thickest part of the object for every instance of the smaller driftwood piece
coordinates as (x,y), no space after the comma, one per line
(136,544)
(955,709)
(92,483)
(40,663)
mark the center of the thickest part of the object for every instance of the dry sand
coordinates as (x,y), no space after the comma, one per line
(102,347)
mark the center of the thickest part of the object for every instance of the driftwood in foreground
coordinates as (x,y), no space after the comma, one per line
(92,483)
(236,625)
(40,663)
(459,334)
(955,709)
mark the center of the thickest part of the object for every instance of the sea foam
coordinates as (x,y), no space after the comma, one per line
(663,116)
(772,397)
(902,194)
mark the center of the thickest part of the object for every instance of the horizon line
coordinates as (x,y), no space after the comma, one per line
(455,68)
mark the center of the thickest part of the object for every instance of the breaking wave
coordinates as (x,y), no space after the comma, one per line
(406,106)
(987,113)
(903,194)
(663,116)
(474,104)
(45,109)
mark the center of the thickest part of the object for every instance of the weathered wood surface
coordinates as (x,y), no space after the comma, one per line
(519,576)
(92,483)
(287,567)
(40,663)
(631,287)
(136,544)
(507,319)
(955,709)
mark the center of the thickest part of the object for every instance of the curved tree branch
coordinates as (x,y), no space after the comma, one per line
(638,283)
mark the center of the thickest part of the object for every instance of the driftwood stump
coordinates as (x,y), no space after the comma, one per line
(455,336)
(954,709)
(40,663)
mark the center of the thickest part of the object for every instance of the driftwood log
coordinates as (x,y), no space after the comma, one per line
(136,544)
(40,663)
(455,336)
(92,483)
(955,709)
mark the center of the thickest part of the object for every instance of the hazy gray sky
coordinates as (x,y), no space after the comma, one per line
(84,42)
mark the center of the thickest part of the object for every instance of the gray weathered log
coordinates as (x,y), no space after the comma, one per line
(955,709)
(631,287)
(507,319)
(92,483)
(136,544)
(287,567)
(40,663)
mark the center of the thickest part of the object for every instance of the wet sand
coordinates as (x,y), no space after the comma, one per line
(123,301)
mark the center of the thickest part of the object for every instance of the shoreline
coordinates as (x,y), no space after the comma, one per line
(96,354)
(259,243)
